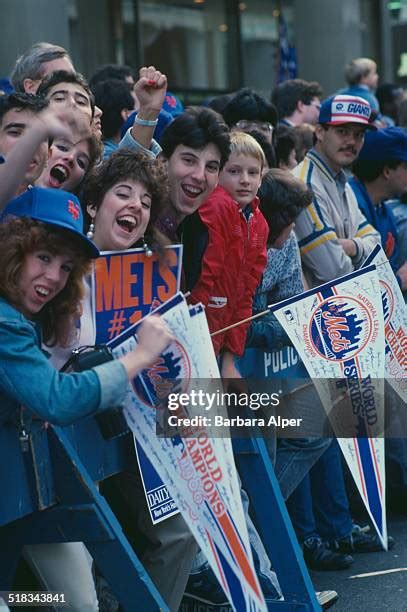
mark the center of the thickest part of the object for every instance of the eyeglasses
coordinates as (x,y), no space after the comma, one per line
(263,126)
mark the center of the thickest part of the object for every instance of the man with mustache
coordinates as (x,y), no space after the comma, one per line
(333,235)
(334,239)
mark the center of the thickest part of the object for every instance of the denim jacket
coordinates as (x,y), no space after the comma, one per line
(28,379)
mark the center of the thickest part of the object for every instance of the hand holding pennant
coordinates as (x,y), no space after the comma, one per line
(196,468)
(338,330)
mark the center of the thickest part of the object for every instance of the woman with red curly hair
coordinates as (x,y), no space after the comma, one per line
(45,255)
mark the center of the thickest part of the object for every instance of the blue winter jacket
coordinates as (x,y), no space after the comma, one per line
(382,218)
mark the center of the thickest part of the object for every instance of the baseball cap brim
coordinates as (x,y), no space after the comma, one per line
(50,206)
(89,247)
(368,126)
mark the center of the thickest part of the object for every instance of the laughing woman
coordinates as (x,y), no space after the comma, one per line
(69,163)
(124,196)
(44,257)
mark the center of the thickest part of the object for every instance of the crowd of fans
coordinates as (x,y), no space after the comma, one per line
(269,198)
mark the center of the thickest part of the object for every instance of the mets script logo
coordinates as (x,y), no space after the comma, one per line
(340,328)
(387,301)
(171,373)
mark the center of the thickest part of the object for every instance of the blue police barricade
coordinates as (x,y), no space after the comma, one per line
(270,513)
(48,495)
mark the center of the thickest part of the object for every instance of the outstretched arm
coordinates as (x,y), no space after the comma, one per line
(63,398)
(47,125)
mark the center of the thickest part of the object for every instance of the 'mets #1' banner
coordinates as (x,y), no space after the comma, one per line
(338,330)
(127,285)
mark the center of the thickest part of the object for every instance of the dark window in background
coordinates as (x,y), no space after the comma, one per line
(370,30)
(398,16)
(206,47)
(399,33)
(193,41)
(131,47)
(259,32)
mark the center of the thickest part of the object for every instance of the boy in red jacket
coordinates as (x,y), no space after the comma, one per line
(235,255)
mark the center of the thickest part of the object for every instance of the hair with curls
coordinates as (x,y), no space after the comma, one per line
(282,198)
(126,164)
(21,236)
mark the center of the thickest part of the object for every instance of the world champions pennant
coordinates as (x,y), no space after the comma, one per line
(338,330)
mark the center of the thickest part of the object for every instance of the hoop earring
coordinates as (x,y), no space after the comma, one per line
(91,231)
(146,248)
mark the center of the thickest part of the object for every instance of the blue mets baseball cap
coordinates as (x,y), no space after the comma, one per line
(54,206)
(385,145)
(172,104)
(341,109)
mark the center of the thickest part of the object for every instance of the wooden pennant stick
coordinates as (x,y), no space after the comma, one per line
(256,316)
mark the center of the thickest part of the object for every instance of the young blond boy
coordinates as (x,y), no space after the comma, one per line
(235,256)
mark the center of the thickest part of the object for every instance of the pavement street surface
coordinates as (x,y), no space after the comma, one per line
(383,591)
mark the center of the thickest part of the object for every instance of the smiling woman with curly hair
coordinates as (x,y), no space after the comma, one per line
(22,236)
(45,255)
(125,195)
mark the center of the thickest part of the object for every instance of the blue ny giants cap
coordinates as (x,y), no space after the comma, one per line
(341,109)
(55,207)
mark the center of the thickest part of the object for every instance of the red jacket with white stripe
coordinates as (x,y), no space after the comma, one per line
(232,266)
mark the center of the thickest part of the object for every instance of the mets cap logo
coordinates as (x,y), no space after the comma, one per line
(340,328)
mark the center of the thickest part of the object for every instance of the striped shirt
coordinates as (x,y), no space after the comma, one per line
(333,214)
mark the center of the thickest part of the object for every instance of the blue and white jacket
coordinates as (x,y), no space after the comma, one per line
(333,214)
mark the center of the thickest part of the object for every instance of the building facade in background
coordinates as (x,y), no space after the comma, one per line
(209,47)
